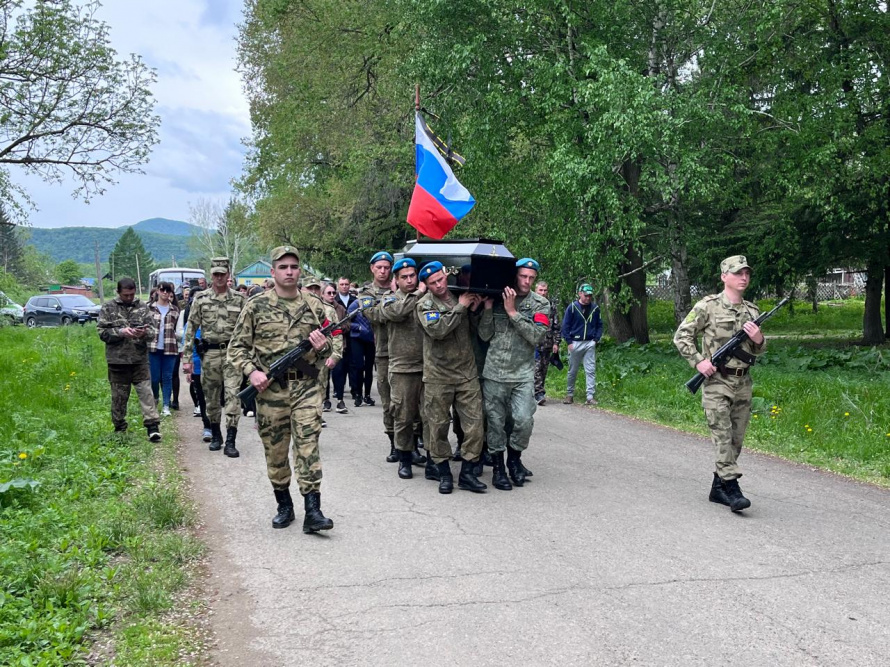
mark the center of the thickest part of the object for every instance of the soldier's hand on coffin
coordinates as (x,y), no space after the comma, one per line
(318,340)
(421,287)
(467,300)
(510,301)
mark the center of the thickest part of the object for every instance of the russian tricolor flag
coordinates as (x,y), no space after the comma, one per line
(439,200)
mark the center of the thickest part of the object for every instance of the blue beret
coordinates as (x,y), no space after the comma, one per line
(380,256)
(403,263)
(528,263)
(430,269)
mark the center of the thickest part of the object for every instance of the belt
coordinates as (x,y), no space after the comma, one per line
(215,346)
(293,376)
(734,372)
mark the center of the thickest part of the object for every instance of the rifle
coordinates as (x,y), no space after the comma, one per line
(726,351)
(279,368)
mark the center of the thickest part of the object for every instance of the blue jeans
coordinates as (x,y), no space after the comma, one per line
(161,366)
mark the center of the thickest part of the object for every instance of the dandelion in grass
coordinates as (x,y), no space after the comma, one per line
(846,414)
(73,373)
(23,455)
(809,430)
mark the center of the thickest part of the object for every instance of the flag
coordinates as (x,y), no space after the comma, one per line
(439,200)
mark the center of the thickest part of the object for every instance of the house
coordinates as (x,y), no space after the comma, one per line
(254,274)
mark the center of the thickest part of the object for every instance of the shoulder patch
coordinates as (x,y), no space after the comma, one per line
(367,301)
(389,299)
(432,315)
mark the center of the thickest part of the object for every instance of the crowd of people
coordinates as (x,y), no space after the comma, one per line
(446,360)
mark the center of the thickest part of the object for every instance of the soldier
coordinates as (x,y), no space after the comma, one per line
(726,394)
(450,378)
(215,312)
(126,326)
(271,324)
(547,347)
(312,289)
(405,337)
(513,328)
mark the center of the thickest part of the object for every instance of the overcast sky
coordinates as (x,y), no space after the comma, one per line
(204,115)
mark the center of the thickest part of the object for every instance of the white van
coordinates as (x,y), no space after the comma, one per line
(177,275)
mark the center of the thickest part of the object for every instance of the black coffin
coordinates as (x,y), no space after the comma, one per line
(481,266)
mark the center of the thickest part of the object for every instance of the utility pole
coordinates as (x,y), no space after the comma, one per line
(99,275)
(138,276)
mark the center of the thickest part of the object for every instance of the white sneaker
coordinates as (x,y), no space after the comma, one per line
(165,412)
(196,412)
(208,436)
(249,413)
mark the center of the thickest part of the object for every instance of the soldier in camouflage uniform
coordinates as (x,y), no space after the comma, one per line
(450,378)
(312,289)
(215,311)
(271,324)
(513,328)
(547,347)
(125,326)
(726,394)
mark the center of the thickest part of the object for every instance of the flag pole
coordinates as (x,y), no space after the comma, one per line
(417,110)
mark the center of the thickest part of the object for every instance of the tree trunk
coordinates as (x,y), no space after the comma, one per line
(680,277)
(872,331)
(887,302)
(813,292)
(626,323)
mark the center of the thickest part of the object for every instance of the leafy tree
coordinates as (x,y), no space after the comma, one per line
(226,231)
(10,244)
(128,254)
(68,106)
(69,272)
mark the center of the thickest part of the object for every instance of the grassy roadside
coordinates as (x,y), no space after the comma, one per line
(821,402)
(95,547)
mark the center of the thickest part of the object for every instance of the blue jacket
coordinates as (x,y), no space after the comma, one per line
(360,327)
(576,327)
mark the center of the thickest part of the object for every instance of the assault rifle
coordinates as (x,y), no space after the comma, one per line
(294,359)
(729,348)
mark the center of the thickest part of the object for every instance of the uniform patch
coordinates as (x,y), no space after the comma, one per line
(690,317)
(389,299)
(541,318)
(367,301)
(432,316)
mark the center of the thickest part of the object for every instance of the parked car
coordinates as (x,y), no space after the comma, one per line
(61,310)
(10,311)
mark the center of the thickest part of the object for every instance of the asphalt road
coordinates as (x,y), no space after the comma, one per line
(610,555)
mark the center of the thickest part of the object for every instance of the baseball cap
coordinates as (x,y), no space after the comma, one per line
(219,265)
(734,264)
(586,288)
(282,250)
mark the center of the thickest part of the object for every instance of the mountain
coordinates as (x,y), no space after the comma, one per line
(78,243)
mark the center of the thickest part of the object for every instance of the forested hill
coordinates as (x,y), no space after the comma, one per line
(163,239)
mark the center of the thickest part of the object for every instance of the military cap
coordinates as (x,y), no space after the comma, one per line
(403,263)
(528,263)
(219,265)
(586,288)
(430,269)
(380,256)
(282,250)
(311,282)
(734,264)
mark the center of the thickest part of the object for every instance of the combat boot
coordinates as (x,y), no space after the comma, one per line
(216,439)
(314,520)
(516,473)
(417,458)
(467,479)
(405,465)
(718,493)
(285,510)
(231,451)
(737,502)
(431,470)
(446,480)
(499,474)
(393,454)
(487,458)
(528,473)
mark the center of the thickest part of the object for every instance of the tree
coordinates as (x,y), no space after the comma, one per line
(226,231)
(10,245)
(68,106)
(69,272)
(128,254)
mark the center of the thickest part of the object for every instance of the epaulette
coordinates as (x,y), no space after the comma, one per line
(711,297)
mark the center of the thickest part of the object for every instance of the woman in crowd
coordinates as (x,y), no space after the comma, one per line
(164,351)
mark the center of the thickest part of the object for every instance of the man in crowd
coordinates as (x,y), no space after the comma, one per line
(215,312)
(368,342)
(582,328)
(271,324)
(341,371)
(547,347)
(405,337)
(126,327)
(726,394)
(450,378)
(513,328)
(312,289)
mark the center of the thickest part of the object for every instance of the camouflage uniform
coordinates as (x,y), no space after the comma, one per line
(544,350)
(268,327)
(726,400)
(509,368)
(336,338)
(450,376)
(372,298)
(128,359)
(216,315)
(405,356)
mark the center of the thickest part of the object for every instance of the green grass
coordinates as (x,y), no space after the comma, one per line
(821,402)
(94,539)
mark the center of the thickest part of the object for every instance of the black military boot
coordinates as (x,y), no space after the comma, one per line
(737,502)
(431,470)
(393,454)
(516,474)
(405,465)
(718,493)
(458,453)
(216,439)
(487,457)
(528,473)
(417,458)
(468,480)
(314,520)
(285,510)
(231,451)
(446,480)
(499,475)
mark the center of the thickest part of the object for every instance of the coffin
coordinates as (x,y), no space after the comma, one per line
(481,266)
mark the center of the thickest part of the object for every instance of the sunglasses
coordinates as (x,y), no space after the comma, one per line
(167,290)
